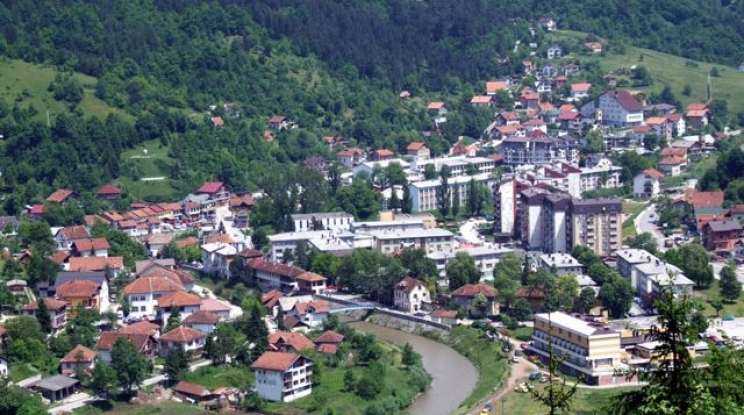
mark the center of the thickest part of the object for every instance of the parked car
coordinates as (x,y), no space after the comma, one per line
(535,375)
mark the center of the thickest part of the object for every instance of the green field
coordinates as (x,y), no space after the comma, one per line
(587,401)
(631,210)
(674,71)
(714,293)
(110,407)
(214,377)
(27,84)
(150,160)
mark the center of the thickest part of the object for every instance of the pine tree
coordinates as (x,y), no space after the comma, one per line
(174,319)
(406,203)
(42,314)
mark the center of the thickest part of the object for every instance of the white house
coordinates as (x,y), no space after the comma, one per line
(186,303)
(79,358)
(322,221)
(618,108)
(554,52)
(191,340)
(156,242)
(66,236)
(312,313)
(90,247)
(410,295)
(143,294)
(283,377)
(216,258)
(647,183)
(204,321)
(562,263)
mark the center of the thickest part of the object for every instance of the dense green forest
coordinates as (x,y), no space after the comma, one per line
(334,68)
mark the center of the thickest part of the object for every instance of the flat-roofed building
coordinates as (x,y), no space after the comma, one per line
(428,240)
(562,263)
(596,224)
(591,350)
(341,221)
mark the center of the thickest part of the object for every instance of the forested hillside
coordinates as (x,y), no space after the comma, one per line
(703,30)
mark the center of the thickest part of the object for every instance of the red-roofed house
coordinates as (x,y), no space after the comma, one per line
(329,341)
(192,391)
(673,166)
(442,316)
(191,340)
(113,264)
(109,192)
(61,196)
(410,295)
(66,236)
(217,121)
(279,122)
(381,155)
(617,108)
(697,115)
(722,235)
(593,47)
(202,320)
(57,311)
(419,150)
(311,313)
(80,358)
(481,101)
(530,100)
(466,296)
(647,183)
(283,377)
(310,282)
(90,247)
(186,304)
(284,341)
(145,344)
(144,292)
(351,157)
(580,90)
(218,192)
(492,87)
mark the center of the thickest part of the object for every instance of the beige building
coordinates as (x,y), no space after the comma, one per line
(428,240)
(596,224)
(591,350)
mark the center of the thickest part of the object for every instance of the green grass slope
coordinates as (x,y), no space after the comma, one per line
(674,71)
(27,84)
(149,161)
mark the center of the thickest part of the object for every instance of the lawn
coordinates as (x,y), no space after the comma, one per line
(148,160)
(631,210)
(674,71)
(28,84)
(110,407)
(214,377)
(523,333)
(713,293)
(587,401)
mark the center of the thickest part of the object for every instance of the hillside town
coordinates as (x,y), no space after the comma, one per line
(532,224)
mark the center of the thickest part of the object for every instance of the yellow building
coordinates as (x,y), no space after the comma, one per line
(589,349)
(80,294)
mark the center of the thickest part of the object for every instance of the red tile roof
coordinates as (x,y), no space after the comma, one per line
(188,241)
(37,210)
(75,232)
(653,173)
(674,152)
(277,119)
(192,389)
(436,105)
(330,336)
(317,306)
(202,317)
(79,354)
(60,257)
(60,195)
(534,293)
(210,187)
(328,348)
(271,298)
(95,244)
(442,313)
(140,327)
(152,285)
(51,304)
(384,153)
(296,341)
(108,338)
(416,145)
(407,284)
(96,263)
(471,290)
(626,100)
(277,361)
(275,268)
(581,87)
(218,121)
(220,237)
(179,299)
(494,86)
(481,99)
(182,334)
(670,161)
(214,306)
(310,277)
(78,289)
(699,199)
(109,190)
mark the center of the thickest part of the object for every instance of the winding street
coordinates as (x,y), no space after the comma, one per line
(643,224)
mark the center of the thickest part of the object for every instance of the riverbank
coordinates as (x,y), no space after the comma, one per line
(479,353)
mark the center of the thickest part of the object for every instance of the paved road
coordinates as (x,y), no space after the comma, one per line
(643,224)
(75,401)
(220,213)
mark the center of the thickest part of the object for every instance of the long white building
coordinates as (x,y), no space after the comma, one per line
(424,193)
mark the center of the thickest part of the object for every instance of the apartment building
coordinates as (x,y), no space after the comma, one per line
(340,221)
(485,257)
(506,201)
(323,241)
(556,226)
(283,377)
(531,219)
(596,224)
(428,240)
(591,350)
(458,165)
(424,193)
(562,264)
(648,275)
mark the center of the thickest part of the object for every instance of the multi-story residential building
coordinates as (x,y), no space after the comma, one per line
(647,183)
(591,350)
(323,241)
(388,226)
(465,296)
(505,199)
(531,217)
(190,340)
(145,344)
(143,294)
(99,289)
(428,240)
(186,304)
(285,278)
(410,295)
(283,377)
(218,192)
(216,258)
(601,176)
(57,311)
(596,224)
(368,167)
(90,247)
(424,193)
(538,148)
(340,221)
(485,259)
(458,165)
(66,236)
(618,108)
(722,235)
(648,274)
(562,264)
(556,226)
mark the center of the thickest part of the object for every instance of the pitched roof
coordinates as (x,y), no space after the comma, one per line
(653,173)
(159,239)
(328,348)
(250,253)
(88,355)
(316,306)
(62,277)
(275,268)
(188,241)
(415,146)
(140,327)
(74,232)
(494,86)
(213,306)
(442,313)
(670,161)
(95,244)
(290,322)
(310,277)
(193,389)
(202,317)
(182,334)
(330,336)
(700,200)
(275,361)
(37,209)
(109,190)
(60,257)
(581,87)
(219,238)
(210,187)
(674,151)
(218,121)
(481,99)
(724,225)
(436,105)
(96,263)
(277,119)
(407,284)
(141,266)
(296,341)
(59,195)
(383,152)
(108,338)
(148,285)
(626,100)
(471,290)
(535,293)
(179,299)
(51,304)
(77,289)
